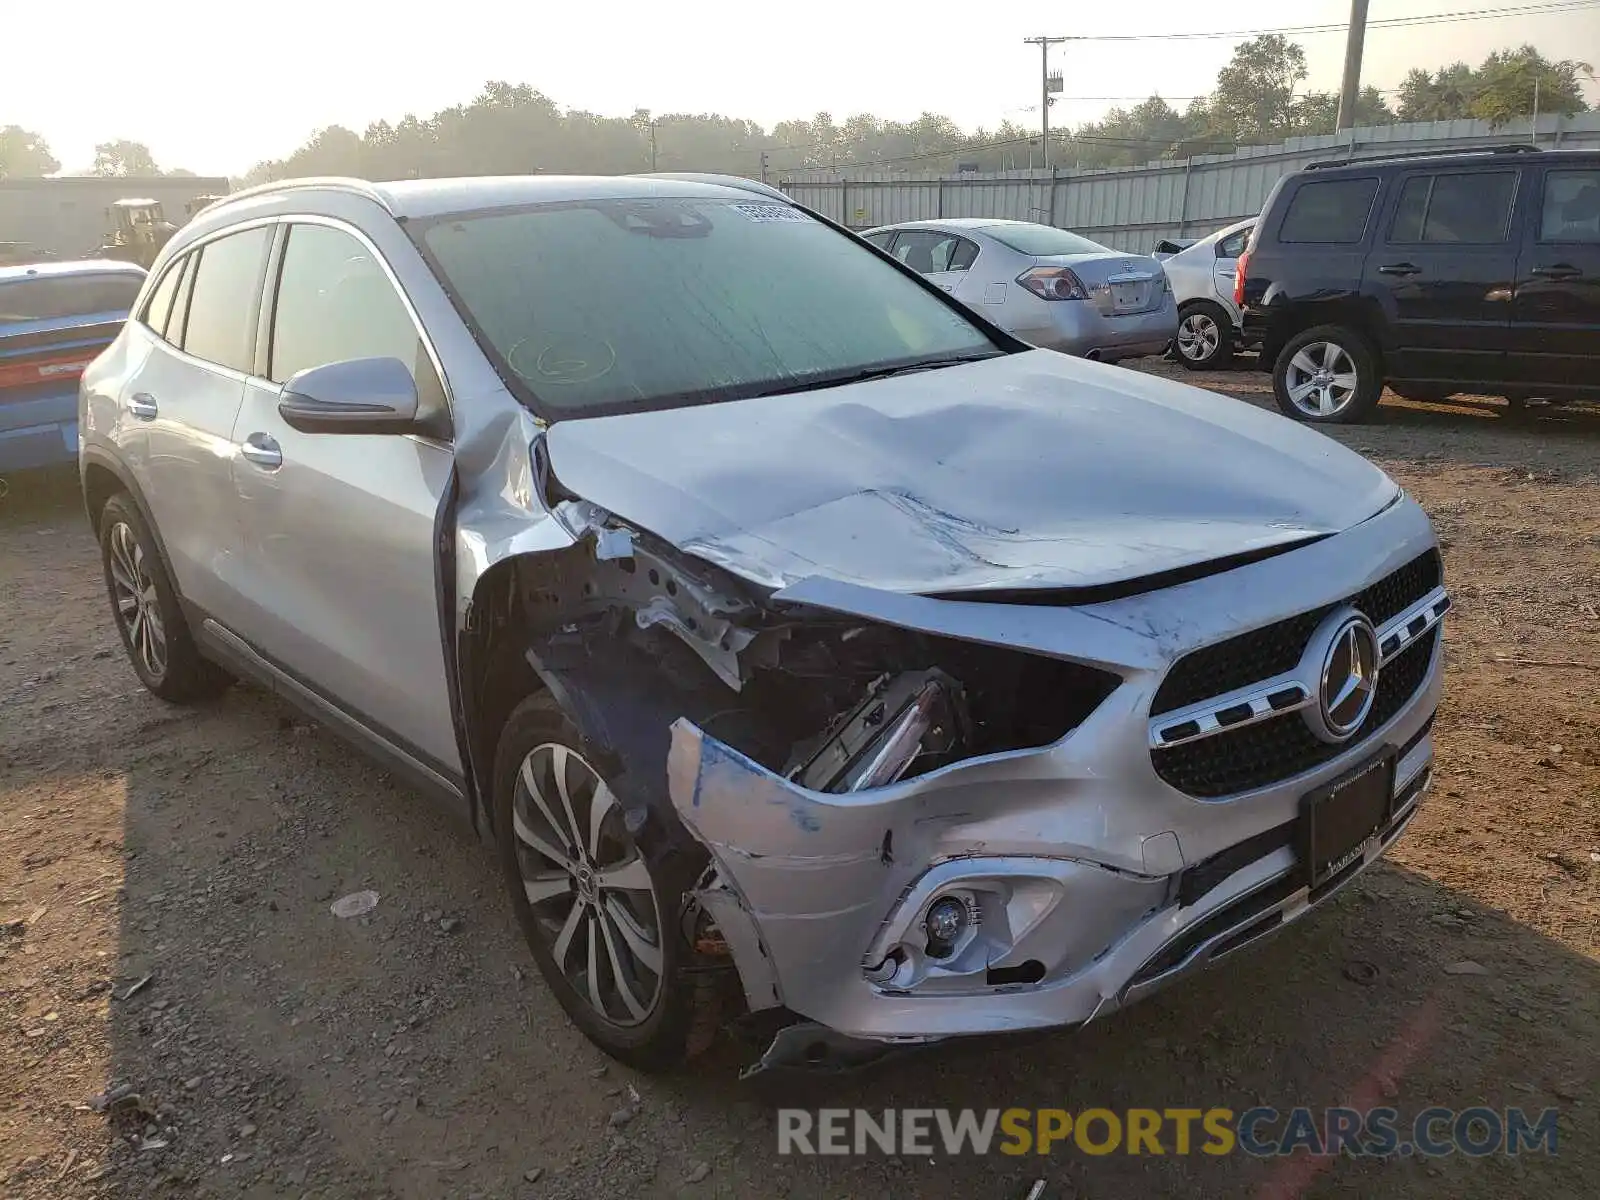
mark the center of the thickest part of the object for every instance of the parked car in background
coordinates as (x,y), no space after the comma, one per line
(1167,247)
(54,319)
(806,645)
(1048,286)
(1202,278)
(1432,272)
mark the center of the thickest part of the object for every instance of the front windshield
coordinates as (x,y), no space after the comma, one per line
(617,305)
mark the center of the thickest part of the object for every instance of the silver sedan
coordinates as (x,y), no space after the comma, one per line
(1048,286)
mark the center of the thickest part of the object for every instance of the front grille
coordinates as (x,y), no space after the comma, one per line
(1273,649)
(1255,756)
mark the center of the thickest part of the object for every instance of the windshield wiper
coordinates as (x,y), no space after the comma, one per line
(869,373)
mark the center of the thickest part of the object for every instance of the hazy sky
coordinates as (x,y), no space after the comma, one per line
(215,88)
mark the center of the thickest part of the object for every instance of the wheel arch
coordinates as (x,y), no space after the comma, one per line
(493,670)
(102,476)
(1348,311)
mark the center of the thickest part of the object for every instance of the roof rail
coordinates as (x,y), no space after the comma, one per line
(339,183)
(1435,152)
(733,181)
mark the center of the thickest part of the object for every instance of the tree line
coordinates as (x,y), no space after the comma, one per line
(515,129)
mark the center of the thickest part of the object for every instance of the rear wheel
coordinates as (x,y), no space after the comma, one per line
(1327,375)
(599,910)
(144,604)
(1205,337)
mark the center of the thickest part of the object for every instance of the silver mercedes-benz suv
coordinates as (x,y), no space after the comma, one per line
(813,653)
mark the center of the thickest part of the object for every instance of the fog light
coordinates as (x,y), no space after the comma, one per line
(945,923)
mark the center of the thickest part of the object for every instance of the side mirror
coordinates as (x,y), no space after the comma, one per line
(359,395)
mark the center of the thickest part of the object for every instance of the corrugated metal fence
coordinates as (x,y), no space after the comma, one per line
(1132,208)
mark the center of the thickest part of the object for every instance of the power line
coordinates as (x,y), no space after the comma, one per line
(1478,14)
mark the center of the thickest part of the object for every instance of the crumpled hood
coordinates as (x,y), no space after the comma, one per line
(1030,470)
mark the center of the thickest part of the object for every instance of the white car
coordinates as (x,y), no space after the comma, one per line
(1209,325)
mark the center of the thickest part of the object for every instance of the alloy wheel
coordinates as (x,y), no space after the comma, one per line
(1198,337)
(137,606)
(587,884)
(1321,379)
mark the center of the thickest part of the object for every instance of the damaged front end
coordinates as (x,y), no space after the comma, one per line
(918,818)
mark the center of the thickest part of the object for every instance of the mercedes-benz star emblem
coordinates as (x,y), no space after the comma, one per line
(1349,678)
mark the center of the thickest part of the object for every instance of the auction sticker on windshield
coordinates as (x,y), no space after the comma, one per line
(770,212)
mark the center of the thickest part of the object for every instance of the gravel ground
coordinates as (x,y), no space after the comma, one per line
(165,933)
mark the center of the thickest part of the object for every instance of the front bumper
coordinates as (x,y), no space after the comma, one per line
(1092,880)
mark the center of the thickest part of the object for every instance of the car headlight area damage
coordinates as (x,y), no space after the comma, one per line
(901,817)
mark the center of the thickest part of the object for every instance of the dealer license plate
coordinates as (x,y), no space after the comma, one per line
(1338,821)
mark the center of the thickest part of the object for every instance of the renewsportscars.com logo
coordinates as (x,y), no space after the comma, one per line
(1259,1132)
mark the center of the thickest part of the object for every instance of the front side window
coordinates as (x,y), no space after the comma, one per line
(614,305)
(1571,210)
(335,303)
(222,307)
(1334,211)
(1467,208)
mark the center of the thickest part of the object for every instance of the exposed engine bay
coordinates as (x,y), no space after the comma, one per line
(832,703)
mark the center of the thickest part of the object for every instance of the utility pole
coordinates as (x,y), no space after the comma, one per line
(1534,130)
(1355,40)
(652,143)
(763,166)
(1047,83)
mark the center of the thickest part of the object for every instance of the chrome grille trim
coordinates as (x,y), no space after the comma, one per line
(1205,719)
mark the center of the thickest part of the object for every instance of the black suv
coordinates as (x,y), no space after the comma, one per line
(1467,271)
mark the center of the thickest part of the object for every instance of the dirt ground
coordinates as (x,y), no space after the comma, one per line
(414,1053)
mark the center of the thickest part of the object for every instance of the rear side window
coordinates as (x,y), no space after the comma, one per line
(180,302)
(1470,208)
(222,307)
(1571,210)
(1233,245)
(881,239)
(57,297)
(928,250)
(159,306)
(1332,211)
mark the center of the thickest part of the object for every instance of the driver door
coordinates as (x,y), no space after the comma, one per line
(337,529)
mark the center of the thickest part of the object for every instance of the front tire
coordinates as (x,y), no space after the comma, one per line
(1328,375)
(1205,337)
(144,604)
(598,897)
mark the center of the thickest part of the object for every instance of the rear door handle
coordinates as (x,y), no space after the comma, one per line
(1558,271)
(143,406)
(1400,268)
(263,450)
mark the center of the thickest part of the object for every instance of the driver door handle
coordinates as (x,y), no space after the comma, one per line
(1558,271)
(263,450)
(143,406)
(1399,268)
